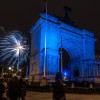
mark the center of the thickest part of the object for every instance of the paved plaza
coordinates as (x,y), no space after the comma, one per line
(48,96)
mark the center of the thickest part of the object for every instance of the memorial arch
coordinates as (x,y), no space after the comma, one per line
(49,36)
(72,61)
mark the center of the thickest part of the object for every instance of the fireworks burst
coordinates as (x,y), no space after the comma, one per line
(14,49)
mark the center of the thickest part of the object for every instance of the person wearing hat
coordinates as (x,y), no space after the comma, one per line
(59,88)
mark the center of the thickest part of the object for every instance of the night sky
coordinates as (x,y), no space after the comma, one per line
(22,14)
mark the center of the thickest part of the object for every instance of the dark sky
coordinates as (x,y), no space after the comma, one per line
(22,14)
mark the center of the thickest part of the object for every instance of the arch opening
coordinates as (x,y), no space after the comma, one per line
(66,63)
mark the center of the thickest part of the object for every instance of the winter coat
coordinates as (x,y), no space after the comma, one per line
(58,89)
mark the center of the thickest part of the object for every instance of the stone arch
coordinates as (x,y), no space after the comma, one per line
(65,57)
(73,52)
(78,43)
(71,49)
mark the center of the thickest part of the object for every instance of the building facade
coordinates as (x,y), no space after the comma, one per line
(57,46)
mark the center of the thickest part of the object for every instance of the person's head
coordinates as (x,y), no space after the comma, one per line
(58,76)
(20,80)
(44,77)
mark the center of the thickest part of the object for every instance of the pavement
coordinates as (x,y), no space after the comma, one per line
(48,96)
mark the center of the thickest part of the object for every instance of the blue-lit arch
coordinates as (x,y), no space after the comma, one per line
(76,42)
(71,49)
(74,56)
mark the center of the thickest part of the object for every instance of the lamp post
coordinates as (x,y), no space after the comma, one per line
(20,72)
(61,57)
(44,69)
(11,70)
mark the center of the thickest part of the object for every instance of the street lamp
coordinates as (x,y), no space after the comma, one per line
(44,69)
(61,56)
(10,68)
(20,72)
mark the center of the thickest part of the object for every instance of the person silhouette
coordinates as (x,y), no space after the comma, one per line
(13,89)
(2,90)
(59,88)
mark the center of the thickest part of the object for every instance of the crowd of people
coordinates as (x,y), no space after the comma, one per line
(14,88)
